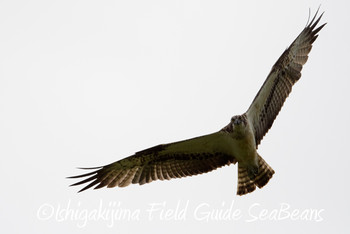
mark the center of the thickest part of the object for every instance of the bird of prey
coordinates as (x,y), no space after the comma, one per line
(235,143)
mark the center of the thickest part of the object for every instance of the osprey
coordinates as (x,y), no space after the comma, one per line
(235,143)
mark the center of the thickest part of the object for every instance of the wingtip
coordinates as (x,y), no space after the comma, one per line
(82,175)
(94,182)
(89,168)
(313,23)
(81,190)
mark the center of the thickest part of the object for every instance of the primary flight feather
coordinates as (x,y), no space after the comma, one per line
(236,142)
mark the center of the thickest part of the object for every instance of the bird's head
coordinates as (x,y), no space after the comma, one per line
(238,120)
(237,124)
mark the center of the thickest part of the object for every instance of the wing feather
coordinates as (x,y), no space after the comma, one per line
(128,177)
(174,160)
(278,84)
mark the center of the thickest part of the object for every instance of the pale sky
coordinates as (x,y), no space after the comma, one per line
(86,83)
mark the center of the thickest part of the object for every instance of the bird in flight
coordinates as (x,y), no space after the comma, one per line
(237,142)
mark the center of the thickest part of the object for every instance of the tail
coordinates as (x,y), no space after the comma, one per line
(246,185)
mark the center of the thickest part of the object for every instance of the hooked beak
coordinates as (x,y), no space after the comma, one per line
(237,122)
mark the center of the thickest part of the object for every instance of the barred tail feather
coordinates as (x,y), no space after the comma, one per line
(246,185)
(265,173)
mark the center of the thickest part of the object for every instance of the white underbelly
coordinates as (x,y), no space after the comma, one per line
(244,150)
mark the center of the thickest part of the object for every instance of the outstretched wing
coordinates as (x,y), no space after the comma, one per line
(163,162)
(278,85)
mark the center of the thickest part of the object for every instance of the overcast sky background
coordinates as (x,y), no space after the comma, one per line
(86,83)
